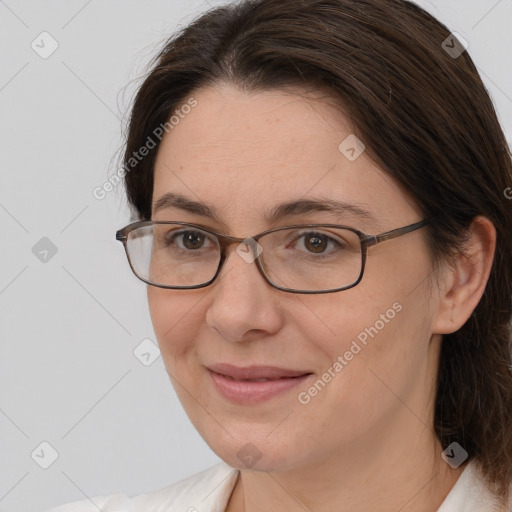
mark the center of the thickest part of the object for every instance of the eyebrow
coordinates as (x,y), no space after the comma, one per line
(288,209)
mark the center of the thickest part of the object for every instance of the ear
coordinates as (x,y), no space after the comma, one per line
(462,285)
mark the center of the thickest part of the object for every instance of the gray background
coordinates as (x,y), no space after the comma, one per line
(69,325)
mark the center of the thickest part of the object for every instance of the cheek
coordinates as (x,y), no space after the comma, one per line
(381,328)
(349,396)
(337,322)
(176,319)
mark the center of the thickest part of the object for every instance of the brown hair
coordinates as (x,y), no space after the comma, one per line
(425,118)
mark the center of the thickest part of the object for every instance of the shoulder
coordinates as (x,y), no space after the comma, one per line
(207,491)
(471,494)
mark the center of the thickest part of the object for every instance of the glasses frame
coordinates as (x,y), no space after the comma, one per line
(365,240)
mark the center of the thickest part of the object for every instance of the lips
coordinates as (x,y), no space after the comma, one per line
(255,373)
(256,384)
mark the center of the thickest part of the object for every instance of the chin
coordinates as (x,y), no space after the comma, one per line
(254,449)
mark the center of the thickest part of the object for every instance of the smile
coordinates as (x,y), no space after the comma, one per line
(255,384)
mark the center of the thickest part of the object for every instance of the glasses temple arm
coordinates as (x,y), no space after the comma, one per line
(388,235)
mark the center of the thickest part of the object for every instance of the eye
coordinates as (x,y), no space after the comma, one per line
(187,239)
(318,243)
(315,243)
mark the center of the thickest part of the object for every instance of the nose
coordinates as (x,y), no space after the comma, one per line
(243,304)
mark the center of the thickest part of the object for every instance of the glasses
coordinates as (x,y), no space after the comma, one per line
(305,258)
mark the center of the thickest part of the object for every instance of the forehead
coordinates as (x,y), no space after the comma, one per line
(233,127)
(244,153)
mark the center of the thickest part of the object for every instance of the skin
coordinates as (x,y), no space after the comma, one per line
(365,442)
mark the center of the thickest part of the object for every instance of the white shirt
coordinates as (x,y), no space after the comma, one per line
(209,491)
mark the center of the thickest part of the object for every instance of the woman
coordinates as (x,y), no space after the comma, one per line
(325,233)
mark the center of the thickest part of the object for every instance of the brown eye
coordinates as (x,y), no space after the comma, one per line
(315,243)
(192,239)
(187,240)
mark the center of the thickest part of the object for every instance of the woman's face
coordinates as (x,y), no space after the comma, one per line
(368,352)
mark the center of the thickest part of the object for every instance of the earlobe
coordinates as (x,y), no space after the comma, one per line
(463,283)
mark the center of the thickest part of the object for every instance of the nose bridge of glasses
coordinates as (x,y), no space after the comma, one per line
(247,248)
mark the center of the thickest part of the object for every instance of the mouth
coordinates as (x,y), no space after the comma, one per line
(261,379)
(253,373)
(254,384)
